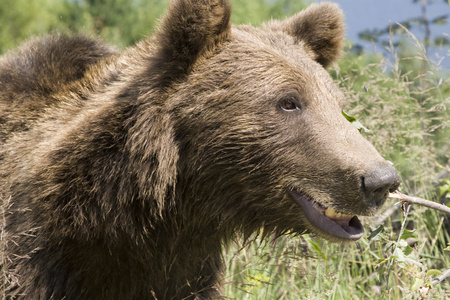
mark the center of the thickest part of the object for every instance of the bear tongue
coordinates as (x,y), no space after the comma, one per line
(327,220)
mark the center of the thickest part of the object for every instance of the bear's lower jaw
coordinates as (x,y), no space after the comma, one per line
(327,220)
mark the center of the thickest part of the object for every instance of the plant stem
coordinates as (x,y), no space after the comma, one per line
(405,209)
(420,201)
(440,278)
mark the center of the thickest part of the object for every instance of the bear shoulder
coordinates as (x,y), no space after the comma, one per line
(34,77)
(45,64)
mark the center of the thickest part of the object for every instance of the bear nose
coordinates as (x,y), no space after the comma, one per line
(378,183)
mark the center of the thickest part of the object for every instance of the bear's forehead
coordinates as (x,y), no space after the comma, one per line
(266,59)
(270,40)
(264,64)
(262,48)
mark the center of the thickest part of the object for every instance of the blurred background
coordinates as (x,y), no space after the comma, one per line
(123,22)
(396,77)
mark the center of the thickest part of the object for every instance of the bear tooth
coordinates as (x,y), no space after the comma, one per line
(330,213)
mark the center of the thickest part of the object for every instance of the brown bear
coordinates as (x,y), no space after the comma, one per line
(124,174)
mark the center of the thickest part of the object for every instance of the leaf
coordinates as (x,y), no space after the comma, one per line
(433,272)
(402,243)
(405,258)
(447,248)
(408,234)
(398,255)
(376,231)
(349,118)
(445,189)
(361,127)
(417,283)
(389,245)
(408,250)
(355,123)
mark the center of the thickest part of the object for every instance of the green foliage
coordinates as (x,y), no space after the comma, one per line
(447,248)
(256,12)
(120,22)
(20,19)
(382,267)
(444,190)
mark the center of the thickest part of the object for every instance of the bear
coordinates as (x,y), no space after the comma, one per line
(124,174)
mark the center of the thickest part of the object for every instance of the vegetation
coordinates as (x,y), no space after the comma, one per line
(121,22)
(402,96)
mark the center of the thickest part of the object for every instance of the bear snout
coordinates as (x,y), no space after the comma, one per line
(377,183)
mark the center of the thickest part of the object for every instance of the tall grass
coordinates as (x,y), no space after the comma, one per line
(404,101)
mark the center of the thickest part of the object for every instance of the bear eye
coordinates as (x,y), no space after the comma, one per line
(289,104)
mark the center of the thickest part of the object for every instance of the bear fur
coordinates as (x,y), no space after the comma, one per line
(123,174)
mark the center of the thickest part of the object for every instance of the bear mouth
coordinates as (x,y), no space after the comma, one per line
(327,219)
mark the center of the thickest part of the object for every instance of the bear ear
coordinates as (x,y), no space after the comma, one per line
(321,28)
(190,28)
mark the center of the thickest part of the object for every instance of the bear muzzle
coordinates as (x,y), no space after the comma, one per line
(374,187)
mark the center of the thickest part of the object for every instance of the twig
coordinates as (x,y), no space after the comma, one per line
(441,278)
(405,209)
(430,204)
(420,201)
(441,175)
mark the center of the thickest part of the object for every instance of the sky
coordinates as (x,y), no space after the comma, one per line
(378,14)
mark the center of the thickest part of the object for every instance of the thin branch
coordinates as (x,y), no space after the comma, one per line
(427,203)
(405,209)
(441,278)
(420,201)
(437,178)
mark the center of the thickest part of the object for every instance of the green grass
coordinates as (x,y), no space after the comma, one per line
(311,268)
(405,102)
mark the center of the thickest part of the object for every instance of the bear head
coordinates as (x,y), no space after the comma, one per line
(259,129)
